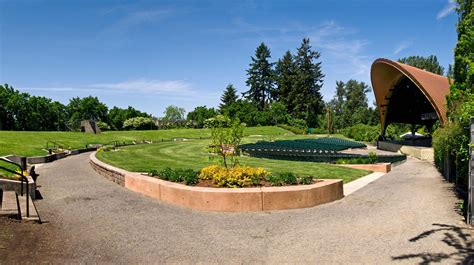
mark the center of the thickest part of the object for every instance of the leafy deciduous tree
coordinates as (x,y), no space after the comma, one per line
(86,108)
(117,116)
(174,113)
(200,114)
(429,63)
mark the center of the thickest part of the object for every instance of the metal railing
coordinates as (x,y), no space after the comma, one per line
(23,178)
(52,145)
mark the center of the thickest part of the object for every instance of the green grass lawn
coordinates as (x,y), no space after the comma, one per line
(33,143)
(193,154)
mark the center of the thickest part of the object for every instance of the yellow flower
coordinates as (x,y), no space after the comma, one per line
(241,176)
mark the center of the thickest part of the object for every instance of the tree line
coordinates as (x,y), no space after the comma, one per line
(22,112)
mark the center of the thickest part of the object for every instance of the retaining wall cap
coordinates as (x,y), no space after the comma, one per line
(142,177)
(107,166)
(320,183)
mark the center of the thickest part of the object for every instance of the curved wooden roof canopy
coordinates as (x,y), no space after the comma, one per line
(385,74)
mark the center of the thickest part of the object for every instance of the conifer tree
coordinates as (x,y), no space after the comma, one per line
(228,98)
(306,96)
(285,72)
(260,78)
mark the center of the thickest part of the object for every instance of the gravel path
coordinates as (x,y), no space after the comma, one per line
(406,216)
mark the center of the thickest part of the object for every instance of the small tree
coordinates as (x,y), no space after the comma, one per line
(228,98)
(226,137)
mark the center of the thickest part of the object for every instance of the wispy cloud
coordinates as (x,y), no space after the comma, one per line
(149,86)
(447,9)
(341,50)
(161,87)
(63,89)
(137,18)
(402,46)
(345,51)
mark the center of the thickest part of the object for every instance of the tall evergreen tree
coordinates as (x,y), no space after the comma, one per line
(429,63)
(285,72)
(260,78)
(228,98)
(306,96)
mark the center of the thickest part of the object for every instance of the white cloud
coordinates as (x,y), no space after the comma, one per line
(63,89)
(345,52)
(161,87)
(402,46)
(149,86)
(447,9)
(136,18)
(340,50)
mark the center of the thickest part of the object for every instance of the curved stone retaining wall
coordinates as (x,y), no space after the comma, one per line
(224,199)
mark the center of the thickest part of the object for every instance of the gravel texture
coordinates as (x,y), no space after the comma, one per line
(406,216)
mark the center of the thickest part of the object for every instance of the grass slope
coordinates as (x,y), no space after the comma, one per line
(193,154)
(33,143)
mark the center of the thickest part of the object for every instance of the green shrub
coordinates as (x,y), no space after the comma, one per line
(372,158)
(153,173)
(219,121)
(139,123)
(275,180)
(103,126)
(362,132)
(306,180)
(176,176)
(188,176)
(289,178)
(166,173)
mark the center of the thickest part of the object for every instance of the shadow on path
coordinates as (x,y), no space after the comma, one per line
(456,237)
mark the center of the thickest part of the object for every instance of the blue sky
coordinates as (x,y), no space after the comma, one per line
(150,54)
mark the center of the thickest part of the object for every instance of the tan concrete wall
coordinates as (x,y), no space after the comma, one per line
(380,167)
(212,199)
(15,185)
(422,153)
(388,146)
(150,187)
(224,199)
(303,196)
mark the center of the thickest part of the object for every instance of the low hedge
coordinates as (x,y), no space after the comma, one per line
(292,129)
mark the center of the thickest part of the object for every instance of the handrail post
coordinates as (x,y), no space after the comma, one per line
(23,166)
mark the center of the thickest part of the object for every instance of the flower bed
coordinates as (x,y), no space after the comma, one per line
(225,199)
(236,177)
